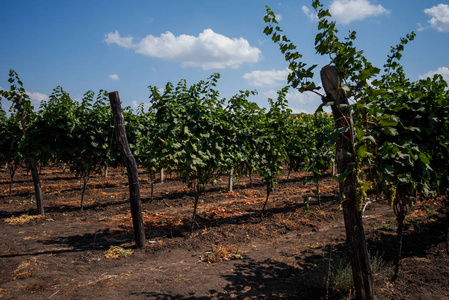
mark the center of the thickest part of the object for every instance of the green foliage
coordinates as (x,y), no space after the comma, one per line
(187,137)
(52,131)
(139,127)
(21,102)
(199,135)
(77,133)
(11,151)
(14,142)
(319,152)
(242,122)
(271,139)
(308,146)
(300,76)
(93,135)
(396,121)
(396,129)
(11,137)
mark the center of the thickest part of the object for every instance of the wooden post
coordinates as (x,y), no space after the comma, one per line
(131,166)
(231,175)
(162,175)
(345,161)
(37,189)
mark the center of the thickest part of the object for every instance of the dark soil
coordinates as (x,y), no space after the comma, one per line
(283,255)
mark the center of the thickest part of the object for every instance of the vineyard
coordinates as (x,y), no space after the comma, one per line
(232,200)
(232,253)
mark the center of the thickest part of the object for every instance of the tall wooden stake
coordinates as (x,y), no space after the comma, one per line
(131,166)
(230,180)
(355,235)
(162,175)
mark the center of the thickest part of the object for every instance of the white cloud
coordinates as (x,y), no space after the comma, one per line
(37,97)
(209,50)
(444,71)
(299,102)
(115,38)
(266,78)
(312,15)
(346,11)
(439,17)
(136,105)
(278,17)
(114,76)
(420,27)
(304,99)
(271,94)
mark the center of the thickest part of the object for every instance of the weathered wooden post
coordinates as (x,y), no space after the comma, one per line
(37,188)
(162,175)
(230,180)
(131,166)
(345,161)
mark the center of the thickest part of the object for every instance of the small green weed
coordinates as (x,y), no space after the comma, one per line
(387,227)
(337,275)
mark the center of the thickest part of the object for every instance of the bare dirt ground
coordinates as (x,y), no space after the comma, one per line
(232,254)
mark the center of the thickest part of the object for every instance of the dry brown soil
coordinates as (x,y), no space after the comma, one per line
(233,253)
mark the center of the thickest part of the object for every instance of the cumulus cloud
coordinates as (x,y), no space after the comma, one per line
(37,97)
(114,76)
(439,17)
(266,78)
(278,17)
(347,11)
(115,38)
(34,96)
(209,50)
(312,15)
(444,71)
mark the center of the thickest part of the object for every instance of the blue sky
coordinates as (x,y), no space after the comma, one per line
(128,45)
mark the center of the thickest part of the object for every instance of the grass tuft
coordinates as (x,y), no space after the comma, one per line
(222,252)
(22,219)
(337,275)
(117,252)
